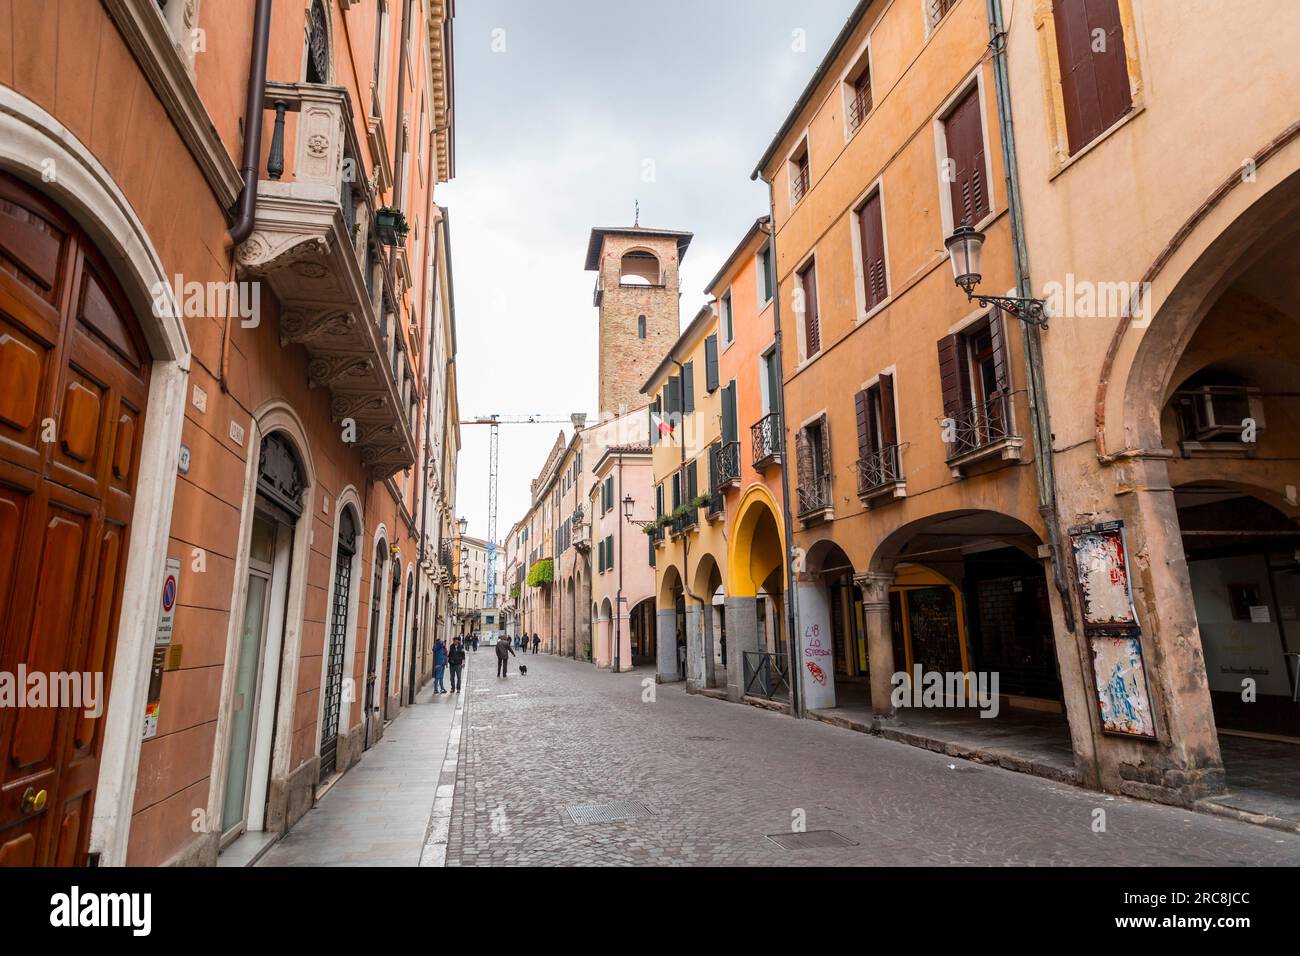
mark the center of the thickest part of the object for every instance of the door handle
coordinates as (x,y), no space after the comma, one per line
(33,800)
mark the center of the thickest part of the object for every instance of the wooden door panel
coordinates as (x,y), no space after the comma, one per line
(71,354)
(50,632)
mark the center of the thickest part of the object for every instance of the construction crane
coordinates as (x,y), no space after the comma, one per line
(495,421)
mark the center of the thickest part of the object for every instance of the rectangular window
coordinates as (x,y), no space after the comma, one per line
(730,430)
(609,551)
(728,321)
(859,96)
(964,170)
(688,387)
(975,382)
(871,236)
(765,275)
(800,174)
(1094,67)
(807,292)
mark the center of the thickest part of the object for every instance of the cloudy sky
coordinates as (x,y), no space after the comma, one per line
(567,113)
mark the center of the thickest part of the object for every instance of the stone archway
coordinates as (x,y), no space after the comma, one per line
(755,589)
(670,627)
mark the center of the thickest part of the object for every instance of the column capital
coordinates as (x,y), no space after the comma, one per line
(875,586)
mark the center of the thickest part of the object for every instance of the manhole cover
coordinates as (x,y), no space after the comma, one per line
(584,813)
(811,840)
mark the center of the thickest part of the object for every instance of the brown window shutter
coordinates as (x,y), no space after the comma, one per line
(888,431)
(872,234)
(1001,359)
(812,328)
(803,459)
(965,138)
(866,437)
(826,443)
(954,379)
(1094,85)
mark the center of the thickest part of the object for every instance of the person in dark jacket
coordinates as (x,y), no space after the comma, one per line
(456,660)
(439,666)
(537,641)
(503,649)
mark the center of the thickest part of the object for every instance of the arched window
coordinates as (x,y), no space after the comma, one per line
(640,326)
(639,268)
(318,44)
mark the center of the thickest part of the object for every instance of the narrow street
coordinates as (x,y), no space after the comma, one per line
(717,778)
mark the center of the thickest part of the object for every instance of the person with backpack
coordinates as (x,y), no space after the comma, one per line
(456,660)
(503,649)
(439,665)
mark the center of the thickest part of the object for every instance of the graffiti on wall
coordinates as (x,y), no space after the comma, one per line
(1122,686)
(1104,589)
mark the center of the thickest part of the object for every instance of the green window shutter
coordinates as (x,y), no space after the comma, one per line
(672,398)
(711,364)
(688,387)
(692,483)
(729,412)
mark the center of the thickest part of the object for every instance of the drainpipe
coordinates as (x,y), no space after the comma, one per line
(246,206)
(795,651)
(618,597)
(1039,413)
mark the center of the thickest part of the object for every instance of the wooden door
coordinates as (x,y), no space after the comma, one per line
(74,373)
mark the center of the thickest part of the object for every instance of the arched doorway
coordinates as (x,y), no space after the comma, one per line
(641,624)
(670,626)
(371,702)
(1213,381)
(605,627)
(712,650)
(391,636)
(341,604)
(73,354)
(758,662)
(281,483)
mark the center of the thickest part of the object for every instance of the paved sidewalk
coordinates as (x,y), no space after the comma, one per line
(392,808)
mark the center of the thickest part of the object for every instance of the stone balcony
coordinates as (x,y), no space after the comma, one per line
(311,246)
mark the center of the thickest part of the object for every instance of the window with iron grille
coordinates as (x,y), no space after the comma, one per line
(800,175)
(859,92)
(936,10)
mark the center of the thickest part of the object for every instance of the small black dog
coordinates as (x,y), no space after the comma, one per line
(523,669)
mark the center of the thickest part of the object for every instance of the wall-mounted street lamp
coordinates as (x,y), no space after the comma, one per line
(628,505)
(965,247)
(462,524)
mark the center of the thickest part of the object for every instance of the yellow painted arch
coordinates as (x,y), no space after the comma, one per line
(749,563)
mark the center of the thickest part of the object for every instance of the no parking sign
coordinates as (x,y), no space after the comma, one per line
(167,611)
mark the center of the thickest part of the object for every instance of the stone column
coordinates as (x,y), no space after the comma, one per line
(742,636)
(694,645)
(875,587)
(816,670)
(707,650)
(666,645)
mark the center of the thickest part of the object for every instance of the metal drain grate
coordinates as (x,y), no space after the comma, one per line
(585,813)
(811,840)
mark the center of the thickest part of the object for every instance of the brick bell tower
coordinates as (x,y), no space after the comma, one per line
(637,293)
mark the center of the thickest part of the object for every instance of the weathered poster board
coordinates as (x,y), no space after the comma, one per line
(1113,632)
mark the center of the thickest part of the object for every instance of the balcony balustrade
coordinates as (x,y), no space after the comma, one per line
(310,245)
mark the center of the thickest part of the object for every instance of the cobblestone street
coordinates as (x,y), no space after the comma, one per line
(718,777)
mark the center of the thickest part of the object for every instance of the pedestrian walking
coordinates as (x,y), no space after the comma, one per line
(456,660)
(503,649)
(537,641)
(439,666)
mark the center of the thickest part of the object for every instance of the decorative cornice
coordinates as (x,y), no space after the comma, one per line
(145,31)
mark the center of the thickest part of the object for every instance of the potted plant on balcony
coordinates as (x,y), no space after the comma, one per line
(391,225)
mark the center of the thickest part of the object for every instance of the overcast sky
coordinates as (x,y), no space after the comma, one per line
(567,113)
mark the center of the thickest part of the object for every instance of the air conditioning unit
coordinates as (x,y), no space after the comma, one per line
(1218,413)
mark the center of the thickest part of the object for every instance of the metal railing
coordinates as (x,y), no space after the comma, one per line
(766,439)
(879,469)
(938,8)
(766,675)
(859,108)
(799,184)
(714,507)
(980,426)
(815,496)
(725,463)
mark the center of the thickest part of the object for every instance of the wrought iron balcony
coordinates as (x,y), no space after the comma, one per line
(309,245)
(981,432)
(724,462)
(814,498)
(880,474)
(766,438)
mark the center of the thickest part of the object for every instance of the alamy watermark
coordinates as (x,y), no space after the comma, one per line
(946,689)
(81,690)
